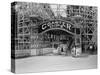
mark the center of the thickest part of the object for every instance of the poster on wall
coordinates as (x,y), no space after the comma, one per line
(53,37)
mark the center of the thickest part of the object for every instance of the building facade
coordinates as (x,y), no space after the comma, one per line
(36,30)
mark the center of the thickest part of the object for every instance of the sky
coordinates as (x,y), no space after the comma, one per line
(60,8)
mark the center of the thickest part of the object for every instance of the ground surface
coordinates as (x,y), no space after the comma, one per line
(54,63)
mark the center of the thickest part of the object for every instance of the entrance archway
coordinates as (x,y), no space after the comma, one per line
(57,33)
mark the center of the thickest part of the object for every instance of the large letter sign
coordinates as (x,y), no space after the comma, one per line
(56,24)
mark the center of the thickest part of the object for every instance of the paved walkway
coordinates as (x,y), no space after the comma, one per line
(54,63)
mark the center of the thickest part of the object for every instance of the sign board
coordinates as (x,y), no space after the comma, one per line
(56,24)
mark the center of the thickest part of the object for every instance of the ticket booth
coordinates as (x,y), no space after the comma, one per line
(76,51)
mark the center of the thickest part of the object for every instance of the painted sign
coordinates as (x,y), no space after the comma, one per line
(54,24)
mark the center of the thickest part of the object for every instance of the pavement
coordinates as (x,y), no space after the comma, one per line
(55,63)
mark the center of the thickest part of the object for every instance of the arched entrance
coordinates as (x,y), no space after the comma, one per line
(57,37)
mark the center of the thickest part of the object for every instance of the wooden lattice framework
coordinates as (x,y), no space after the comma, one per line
(29,16)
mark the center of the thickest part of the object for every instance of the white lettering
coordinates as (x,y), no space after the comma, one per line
(44,26)
(56,24)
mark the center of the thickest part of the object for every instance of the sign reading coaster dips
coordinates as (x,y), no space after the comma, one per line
(56,24)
